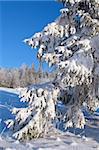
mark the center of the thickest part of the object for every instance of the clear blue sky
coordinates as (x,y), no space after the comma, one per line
(20,20)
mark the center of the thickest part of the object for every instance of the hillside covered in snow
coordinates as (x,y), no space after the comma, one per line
(58,140)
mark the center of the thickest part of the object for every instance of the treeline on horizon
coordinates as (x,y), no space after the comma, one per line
(23,76)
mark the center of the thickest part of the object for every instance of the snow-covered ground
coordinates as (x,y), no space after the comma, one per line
(10,90)
(56,140)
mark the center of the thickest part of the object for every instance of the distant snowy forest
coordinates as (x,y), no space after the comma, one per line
(23,76)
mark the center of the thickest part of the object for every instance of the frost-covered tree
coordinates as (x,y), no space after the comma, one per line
(2,77)
(15,82)
(71,44)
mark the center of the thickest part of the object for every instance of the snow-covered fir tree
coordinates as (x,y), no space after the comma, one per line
(71,44)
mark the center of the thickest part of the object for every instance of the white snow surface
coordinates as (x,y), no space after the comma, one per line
(10,90)
(56,139)
(61,141)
